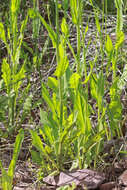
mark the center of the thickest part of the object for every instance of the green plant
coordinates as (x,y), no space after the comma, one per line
(115,106)
(7,176)
(66,132)
(57,124)
(13,72)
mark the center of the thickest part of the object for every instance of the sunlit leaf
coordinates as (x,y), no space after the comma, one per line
(86,29)
(64,27)
(109,45)
(18,77)
(97,24)
(74,80)
(74,11)
(32,13)
(6,180)
(2,32)
(68,127)
(63,63)
(120,40)
(15,4)
(48,131)
(36,141)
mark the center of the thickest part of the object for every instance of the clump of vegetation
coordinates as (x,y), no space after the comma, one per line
(79,103)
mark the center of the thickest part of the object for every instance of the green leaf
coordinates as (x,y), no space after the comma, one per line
(28,48)
(44,117)
(98,137)
(73,53)
(6,180)
(97,23)
(48,131)
(47,98)
(86,29)
(100,89)
(93,86)
(32,14)
(97,88)
(47,127)
(120,40)
(114,90)
(18,78)
(65,4)
(3,102)
(36,141)
(19,42)
(51,32)
(53,83)
(48,122)
(109,45)
(64,27)
(90,73)
(74,80)
(74,11)
(36,157)
(68,126)
(2,33)
(83,119)
(15,4)
(50,103)
(115,108)
(119,6)
(6,74)
(63,63)
(16,151)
